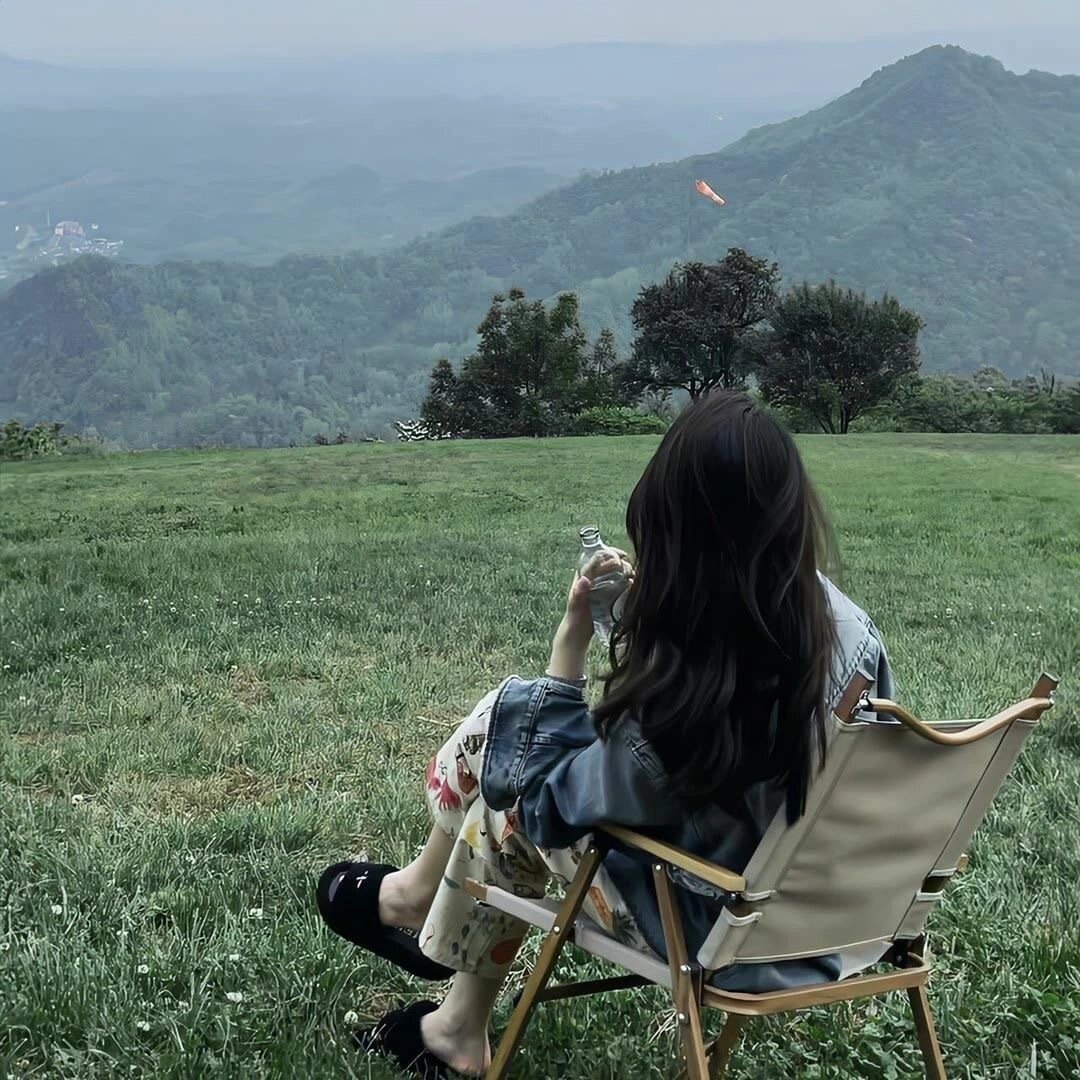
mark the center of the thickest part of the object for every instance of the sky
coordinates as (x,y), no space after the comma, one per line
(127,30)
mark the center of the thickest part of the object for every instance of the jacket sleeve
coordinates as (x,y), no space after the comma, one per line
(543,754)
(607,781)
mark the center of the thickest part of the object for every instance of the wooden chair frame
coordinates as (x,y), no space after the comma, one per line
(691,994)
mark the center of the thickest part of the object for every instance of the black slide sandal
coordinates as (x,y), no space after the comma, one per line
(397,1035)
(348,898)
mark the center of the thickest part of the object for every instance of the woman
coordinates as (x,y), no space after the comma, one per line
(730,652)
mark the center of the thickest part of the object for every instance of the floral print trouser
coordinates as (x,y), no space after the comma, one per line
(489,846)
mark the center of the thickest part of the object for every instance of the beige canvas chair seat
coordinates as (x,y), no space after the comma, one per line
(888,818)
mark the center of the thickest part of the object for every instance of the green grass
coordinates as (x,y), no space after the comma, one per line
(220,671)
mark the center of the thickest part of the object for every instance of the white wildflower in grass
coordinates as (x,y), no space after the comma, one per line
(351,1017)
(57,909)
(143,969)
(255,913)
(143,1025)
(234,956)
(235,996)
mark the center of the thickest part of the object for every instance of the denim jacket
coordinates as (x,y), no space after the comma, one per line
(544,755)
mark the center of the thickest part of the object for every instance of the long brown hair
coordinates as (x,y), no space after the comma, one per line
(724,648)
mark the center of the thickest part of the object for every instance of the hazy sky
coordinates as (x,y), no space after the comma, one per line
(64,30)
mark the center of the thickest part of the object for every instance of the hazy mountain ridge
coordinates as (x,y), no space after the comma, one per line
(944,179)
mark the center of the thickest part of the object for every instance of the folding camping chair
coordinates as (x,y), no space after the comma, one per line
(887,820)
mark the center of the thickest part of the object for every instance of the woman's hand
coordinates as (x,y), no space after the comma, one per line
(571,644)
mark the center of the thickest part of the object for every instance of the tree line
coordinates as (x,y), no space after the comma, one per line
(828,352)
(824,356)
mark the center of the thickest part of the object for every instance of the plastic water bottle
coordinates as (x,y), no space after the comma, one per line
(607,588)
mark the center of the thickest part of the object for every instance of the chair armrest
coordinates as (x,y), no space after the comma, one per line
(713,873)
(1030,709)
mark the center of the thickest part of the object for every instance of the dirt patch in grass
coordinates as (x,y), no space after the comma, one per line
(247,689)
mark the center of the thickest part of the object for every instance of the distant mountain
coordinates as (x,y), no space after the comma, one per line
(799,73)
(204,162)
(210,177)
(943,178)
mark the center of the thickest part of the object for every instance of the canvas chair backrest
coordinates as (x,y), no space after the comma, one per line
(887,818)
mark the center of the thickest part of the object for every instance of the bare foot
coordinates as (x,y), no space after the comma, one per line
(466,1052)
(399,904)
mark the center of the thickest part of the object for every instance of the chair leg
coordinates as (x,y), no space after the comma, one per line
(720,1052)
(684,990)
(924,1028)
(693,1047)
(545,962)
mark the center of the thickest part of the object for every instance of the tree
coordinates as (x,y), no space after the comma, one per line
(603,382)
(440,408)
(693,328)
(526,377)
(834,354)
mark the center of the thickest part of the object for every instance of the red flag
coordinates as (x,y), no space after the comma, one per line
(703,189)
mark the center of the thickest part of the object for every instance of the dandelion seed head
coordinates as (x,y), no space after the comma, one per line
(351,1017)
(57,909)
(143,969)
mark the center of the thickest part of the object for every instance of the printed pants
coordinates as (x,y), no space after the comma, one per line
(490,847)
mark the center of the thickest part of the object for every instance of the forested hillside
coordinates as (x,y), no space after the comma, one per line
(944,179)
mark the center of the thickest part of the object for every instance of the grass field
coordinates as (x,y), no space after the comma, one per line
(220,671)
